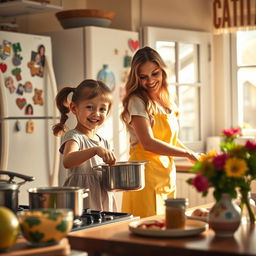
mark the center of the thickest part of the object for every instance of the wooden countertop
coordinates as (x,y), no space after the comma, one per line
(118,240)
(183,165)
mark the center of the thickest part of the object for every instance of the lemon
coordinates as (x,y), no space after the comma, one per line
(9,228)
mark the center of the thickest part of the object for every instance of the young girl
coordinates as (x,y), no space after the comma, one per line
(82,147)
(151,118)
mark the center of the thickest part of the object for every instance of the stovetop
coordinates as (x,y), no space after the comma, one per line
(91,218)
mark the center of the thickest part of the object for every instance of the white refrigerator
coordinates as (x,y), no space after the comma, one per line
(27,110)
(97,53)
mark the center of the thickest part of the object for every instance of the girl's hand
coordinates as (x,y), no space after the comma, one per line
(107,156)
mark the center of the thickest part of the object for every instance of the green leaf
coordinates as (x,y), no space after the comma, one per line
(36,236)
(33,221)
(62,226)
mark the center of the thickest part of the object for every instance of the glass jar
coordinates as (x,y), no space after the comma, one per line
(175,212)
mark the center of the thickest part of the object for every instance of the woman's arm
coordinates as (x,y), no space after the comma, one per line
(73,157)
(145,135)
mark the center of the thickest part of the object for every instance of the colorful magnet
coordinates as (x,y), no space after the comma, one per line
(116,51)
(7,48)
(127,60)
(30,126)
(29,110)
(37,98)
(20,89)
(9,83)
(41,51)
(17,126)
(3,67)
(34,70)
(16,72)
(21,102)
(16,60)
(28,87)
(107,76)
(133,44)
(16,47)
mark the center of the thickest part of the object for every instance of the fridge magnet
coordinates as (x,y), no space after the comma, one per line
(20,89)
(29,110)
(17,126)
(37,98)
(30,126)
(16,60)
(107,76)
(6,49)
(41,51)
(9,83)
(116,52)
(127,60)
(28,87)
(16,47)
(133,44)
(21,102)
(16,72)
(3,67)
(125,76)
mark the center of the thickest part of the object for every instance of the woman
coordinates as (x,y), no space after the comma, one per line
(150,115)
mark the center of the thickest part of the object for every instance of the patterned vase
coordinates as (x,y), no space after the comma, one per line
(225,216)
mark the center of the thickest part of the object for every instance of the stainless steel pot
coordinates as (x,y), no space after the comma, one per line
(9,190)
(58,197)
(123,176)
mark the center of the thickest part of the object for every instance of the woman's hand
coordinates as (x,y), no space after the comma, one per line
(107,156)
(193,156)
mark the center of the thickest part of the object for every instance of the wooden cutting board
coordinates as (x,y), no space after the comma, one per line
(21,248)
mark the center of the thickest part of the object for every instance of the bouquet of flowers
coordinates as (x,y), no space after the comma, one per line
(231,171)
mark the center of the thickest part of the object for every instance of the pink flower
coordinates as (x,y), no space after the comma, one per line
(219,161)
(231,132)
(201,183)
(250,145)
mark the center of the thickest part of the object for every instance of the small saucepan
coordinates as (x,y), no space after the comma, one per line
(123,176)
(58,197)
(9,190)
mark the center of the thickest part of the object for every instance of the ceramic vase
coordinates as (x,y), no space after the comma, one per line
(225,216)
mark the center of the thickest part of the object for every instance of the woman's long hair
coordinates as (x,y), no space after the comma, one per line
(87,89)
(133,86)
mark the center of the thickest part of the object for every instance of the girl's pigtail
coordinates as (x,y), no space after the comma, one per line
(63,106)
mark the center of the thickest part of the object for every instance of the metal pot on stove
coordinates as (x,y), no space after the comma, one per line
(123,176)
(9,190)
(58,197)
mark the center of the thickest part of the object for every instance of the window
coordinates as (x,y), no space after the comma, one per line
(187,56)
(244,78)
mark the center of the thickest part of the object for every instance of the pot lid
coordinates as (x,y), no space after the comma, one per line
(126,163)
(8,186)
(54,189)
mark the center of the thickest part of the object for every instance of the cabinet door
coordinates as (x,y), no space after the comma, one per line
(187,191)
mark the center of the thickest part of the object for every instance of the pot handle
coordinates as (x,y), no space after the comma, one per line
(18,175)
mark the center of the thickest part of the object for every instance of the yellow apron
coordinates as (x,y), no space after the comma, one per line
(160,172)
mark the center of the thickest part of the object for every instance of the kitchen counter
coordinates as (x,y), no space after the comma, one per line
(116,239)
(183,165)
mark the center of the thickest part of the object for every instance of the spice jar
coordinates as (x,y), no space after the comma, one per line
(175,212)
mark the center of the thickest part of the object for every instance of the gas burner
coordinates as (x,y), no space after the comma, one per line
(77,222)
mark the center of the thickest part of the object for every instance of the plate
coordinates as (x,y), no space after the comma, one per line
(192,227)
(200,218)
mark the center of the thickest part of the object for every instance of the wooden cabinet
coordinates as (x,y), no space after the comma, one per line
(185,190)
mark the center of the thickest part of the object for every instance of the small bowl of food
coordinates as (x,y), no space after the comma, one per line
(45,227)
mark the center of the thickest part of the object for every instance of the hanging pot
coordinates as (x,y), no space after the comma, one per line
(9,190)
(123,176)
(58,197)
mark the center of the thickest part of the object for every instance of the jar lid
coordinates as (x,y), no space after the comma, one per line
(176,201)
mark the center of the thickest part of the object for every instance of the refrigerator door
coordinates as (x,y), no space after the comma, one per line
(31,154)
(21,80)
(113,49)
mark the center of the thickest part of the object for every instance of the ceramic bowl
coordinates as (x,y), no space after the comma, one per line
(85,17)
(45,227)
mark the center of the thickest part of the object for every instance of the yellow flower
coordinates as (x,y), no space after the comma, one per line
(208,157)
(235,167)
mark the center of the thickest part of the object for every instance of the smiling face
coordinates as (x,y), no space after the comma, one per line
(150,75)
(90,114)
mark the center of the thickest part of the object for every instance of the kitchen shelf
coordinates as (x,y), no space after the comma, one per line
(23,7)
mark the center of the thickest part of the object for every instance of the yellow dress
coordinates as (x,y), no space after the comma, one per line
(160,172)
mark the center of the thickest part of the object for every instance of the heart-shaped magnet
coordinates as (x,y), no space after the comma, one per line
(21,102)
(134,44)
(3,67)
